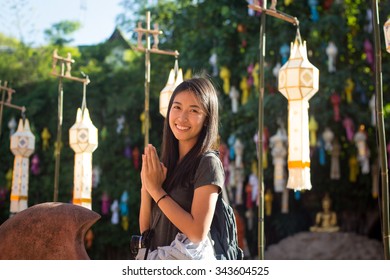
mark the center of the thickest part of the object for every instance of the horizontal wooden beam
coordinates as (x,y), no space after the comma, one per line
(158,51)
(276,14)
(21,108)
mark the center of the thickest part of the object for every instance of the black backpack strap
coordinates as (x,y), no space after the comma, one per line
(151,230)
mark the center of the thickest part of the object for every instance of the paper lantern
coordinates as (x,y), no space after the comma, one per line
(105,206)
(234,95)
(124,210)
(22,146)
(35,165)
(331,52)
(268,198)
(115,212)
(167,91)
(363,152)
(328,137)
(313,127)
(279,152)
(45,136)
(213,60)
(225,75)
(83,139)
(335,160)
(298,82)
(12,125)
(386,29)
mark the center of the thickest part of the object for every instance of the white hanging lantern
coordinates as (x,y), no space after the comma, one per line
(298,82)
(22,146)
(12,125)
(386,29)
(331,51)
(83,139)
(174,79)
(166,93)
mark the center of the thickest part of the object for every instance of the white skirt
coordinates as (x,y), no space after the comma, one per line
(181,248)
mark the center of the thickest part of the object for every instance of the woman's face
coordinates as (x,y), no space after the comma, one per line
(186,118)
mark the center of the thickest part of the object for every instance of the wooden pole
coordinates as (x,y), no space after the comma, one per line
(381,131)
(64,62)
(7,103)
(260,136)
(148,50)
(293,20)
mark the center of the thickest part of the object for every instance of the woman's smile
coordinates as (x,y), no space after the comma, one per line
(183,128)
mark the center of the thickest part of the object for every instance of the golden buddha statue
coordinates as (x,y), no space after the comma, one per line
(326,221)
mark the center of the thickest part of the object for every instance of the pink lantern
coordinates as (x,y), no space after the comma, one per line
(35,165)
(105,204)
(135,156)
(335,100)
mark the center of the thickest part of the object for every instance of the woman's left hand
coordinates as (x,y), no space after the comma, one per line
(153,172)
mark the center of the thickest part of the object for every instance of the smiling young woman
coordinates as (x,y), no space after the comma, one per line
(180,190)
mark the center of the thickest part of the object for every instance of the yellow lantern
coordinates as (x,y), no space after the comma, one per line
(313,127)
(165,95)
(225,75)
(386,29)
(83,139)
(22,146)
(298,82)
(188,74)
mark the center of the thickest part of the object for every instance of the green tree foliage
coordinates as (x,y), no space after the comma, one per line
(21,64)
(59,34)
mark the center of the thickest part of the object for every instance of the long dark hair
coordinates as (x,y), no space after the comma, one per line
(181,172)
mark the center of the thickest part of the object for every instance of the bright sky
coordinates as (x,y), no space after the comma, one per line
(97,18)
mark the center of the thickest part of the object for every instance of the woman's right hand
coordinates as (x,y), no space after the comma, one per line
(153,172)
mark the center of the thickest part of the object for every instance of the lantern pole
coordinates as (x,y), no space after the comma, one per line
(65,62)
(148,50)
(4,89)
(381,131)
(285,17)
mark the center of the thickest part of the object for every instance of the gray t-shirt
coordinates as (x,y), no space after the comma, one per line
(210,172)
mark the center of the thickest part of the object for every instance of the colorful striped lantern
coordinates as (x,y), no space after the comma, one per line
(22,146)
(298,82)
(83,139)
